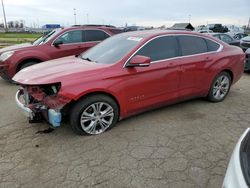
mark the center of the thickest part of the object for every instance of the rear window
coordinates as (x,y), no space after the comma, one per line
(212,46)
(191,45)
(116,31)
(95,35)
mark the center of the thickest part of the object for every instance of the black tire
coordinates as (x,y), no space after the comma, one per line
(210,95)
(83,104)
(27,64)
(6,78)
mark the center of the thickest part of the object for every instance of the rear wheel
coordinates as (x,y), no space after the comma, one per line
(94,115)
(220,87)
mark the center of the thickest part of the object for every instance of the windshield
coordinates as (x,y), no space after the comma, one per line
(112,49)
(46,37)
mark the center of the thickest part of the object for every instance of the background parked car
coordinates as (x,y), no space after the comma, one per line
(245,43)
(239,36)
(205,31)
(127,74)
(226,38)
(247,64)
(217,28)
(56,44)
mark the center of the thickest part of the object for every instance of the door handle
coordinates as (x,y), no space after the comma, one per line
(170,65)
(208,59)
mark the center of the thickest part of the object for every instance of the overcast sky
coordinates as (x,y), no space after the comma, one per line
(132,12)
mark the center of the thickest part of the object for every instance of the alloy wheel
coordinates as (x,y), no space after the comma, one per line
(97,117)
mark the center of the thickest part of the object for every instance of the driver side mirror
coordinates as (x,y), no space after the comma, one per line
(139,61)
(57,43)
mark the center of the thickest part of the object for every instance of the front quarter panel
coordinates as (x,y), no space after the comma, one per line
(23,55)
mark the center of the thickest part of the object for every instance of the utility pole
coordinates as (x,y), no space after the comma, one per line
(75,15)
(248,25)
(87,18)
(4,16)
(189,18)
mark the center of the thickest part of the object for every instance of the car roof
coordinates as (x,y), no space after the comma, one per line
(92,27)
(158,32)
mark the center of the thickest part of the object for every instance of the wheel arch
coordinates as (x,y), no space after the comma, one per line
(22,62)
(68,107)
(230,73)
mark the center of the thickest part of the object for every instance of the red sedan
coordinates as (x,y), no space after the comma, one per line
(127,74)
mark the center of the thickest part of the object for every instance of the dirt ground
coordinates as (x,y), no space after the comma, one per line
(183,145)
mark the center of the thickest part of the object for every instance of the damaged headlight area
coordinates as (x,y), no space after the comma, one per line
(43,101)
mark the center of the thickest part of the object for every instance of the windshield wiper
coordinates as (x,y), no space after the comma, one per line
(86,58)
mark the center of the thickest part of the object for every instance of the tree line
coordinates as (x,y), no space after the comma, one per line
(14,24)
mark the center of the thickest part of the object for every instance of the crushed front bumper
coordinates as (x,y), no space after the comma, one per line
(26,111)
(54,117)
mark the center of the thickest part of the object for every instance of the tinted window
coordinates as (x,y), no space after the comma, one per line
(160,48)
(212,46)
(95,35)
(71,37)
(226,38)
(192,45)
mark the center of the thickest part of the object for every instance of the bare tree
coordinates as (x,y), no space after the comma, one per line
(10,24)
(16,24)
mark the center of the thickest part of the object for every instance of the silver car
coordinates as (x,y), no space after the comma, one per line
(247,63)
(245,43)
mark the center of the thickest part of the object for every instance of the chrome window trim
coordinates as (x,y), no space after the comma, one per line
(79,42)
(159,61)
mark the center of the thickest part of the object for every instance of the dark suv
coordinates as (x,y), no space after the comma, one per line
(217,28)
(56,44)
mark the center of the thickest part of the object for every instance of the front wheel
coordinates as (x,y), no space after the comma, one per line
(220,87)
(93,115)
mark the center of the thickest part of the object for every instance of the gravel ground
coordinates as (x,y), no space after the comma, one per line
(183,145)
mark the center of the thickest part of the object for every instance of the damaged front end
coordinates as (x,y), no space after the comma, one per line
(42,102)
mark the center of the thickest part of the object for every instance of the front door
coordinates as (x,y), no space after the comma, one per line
(147,87)
(72,44)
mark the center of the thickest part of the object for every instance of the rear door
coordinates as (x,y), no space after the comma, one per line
(195,62)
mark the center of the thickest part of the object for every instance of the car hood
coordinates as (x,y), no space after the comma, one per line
(246,39)
(57,70)
(15,47)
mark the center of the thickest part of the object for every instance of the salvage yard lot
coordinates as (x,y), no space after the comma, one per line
(183,145)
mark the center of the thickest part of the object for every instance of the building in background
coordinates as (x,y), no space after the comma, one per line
(182,26)
(50,26)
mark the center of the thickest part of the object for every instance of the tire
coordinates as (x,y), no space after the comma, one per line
(6,78)
(85,120)
(220,87)
(25,65)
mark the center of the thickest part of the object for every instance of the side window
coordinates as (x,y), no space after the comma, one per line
(226,38)
(95,35)
(71,37)
(217,36)
(212,46)
(192,45)
(160,48)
